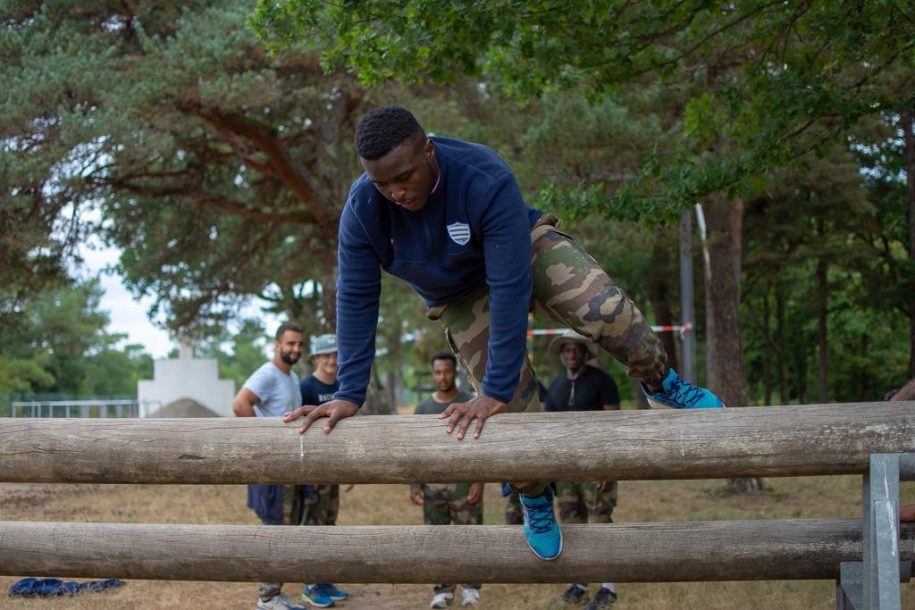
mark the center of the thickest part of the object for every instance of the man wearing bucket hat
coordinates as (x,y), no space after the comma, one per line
(583,387)
(447,216)
(322,502)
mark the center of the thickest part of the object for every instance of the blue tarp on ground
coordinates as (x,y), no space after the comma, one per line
(52,587)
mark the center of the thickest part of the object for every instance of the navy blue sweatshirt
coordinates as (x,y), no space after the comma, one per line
(474,229)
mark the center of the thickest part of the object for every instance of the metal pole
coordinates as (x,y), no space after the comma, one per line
(687,311)
(881,533)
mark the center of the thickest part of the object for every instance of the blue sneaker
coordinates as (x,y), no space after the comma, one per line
(540,527)
(680,394)
(314,596)
(328,589)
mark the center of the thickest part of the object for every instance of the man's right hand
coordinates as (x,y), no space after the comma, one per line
(416,495)
(334,410)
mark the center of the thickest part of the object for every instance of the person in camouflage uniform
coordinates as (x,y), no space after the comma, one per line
(321,502)
(448,503)
(583,387)
(447,216)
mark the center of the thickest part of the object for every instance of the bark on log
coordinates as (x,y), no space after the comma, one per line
(653,552)
(619,445)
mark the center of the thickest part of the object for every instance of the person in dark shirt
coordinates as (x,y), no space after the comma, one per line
(448,503)
(321,503)
(447,216)
(582,387)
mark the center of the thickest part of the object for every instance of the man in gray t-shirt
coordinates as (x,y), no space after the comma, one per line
(272,390)
(448,503)
(275,391)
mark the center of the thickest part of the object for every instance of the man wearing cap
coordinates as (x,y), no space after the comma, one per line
(583,388)
(447,216)
(322,502)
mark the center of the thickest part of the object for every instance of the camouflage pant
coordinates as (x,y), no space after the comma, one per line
(321,505)
(570,288)
(446,504)
(584,502)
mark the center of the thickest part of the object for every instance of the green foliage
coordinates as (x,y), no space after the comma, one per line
(59,344)
(773,80)
(217,168)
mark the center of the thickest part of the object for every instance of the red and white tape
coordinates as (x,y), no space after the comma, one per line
(676,328)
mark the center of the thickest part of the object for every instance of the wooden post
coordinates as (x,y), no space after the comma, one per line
(620,445)
(652,552)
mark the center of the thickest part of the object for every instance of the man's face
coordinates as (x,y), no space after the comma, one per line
(444,374)
(573,356)
(405,175)
(290,346)
(326,364)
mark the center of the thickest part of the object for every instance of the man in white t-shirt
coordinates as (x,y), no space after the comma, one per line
(271,391)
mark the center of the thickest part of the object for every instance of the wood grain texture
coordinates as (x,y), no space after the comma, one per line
(653,552)
(620,445)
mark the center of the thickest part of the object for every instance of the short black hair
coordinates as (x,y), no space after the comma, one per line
(287,326)
(444,356)
(383,129)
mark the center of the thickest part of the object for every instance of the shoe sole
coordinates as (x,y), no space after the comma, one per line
(657,404)
(317,605)
(447,601)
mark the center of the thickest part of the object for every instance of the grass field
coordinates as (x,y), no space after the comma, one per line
(640,501)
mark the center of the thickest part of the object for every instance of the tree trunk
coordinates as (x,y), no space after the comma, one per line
(822,310)
(725,361)
(784,392)
(726,371)
(767,349)
(664,317)
(327,276)
(908,130)
(801,378)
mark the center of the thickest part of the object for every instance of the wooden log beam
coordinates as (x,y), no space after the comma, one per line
(648,552)
(620,445)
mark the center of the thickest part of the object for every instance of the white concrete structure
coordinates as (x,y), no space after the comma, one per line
(183,378)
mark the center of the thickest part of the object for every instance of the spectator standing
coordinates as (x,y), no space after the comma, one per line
(583,387)
(448,503)
(271,391)
(321,502)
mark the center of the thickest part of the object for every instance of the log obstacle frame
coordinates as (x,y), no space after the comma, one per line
(867,559)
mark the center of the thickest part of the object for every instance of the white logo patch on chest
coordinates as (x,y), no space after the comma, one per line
(459,233)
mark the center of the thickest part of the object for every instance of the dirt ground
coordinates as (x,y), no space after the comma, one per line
(388,504)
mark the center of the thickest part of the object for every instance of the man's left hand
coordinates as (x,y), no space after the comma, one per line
(462,414)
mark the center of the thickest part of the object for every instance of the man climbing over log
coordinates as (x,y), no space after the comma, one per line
(447,216)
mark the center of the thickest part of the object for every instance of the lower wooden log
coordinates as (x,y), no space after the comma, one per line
(647,552)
